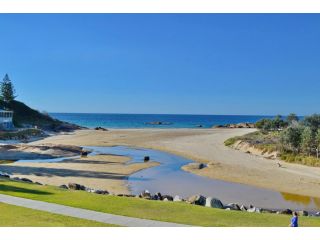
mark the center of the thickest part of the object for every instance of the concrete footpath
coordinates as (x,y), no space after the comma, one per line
(85,214)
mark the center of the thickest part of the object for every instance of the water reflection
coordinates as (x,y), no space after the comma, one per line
(302,200)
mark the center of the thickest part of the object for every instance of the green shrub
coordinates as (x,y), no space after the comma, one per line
(230,141)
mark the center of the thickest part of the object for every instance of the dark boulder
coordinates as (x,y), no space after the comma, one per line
(170,198)
(26,180)
(197,200)
(285,211)
(146,159)
(63,186)
(201,166)
(76,186)
(157,196)
(84,153)
(303,213)
(100,129)
(4,175)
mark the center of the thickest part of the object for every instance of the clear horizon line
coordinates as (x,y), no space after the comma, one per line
(262,115)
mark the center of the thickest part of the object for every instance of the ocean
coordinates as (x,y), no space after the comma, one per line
(109,120)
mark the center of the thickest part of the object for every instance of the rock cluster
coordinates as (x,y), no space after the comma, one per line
(195,199)
(26,180)
(100,129)
(237,125)
(158,123)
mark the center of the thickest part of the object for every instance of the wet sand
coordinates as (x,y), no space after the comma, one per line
(206,145)
(104,172)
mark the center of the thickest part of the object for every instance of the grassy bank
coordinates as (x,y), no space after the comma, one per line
(13,216)
(177,212)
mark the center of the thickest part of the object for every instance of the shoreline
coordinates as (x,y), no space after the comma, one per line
(206,145)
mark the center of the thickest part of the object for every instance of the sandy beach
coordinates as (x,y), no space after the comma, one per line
(104,172)
(205,145)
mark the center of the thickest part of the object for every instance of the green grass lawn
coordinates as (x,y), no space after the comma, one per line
(14,216)
(134,207)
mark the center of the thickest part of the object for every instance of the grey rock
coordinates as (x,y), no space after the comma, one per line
(89,190)
(177,199)
(243,208)
(63,186)
(214,203)
(258,210)
(145,194)
(233,206)
(251,210)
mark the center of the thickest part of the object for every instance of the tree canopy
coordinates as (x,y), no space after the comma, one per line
(7,91)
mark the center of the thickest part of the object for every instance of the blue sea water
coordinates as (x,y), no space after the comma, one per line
(109,120)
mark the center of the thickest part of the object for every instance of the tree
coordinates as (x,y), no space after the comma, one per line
(264,124)
(307,140)
(7,89)
(278,123)
(318,143)
(313,122)
(292,118)
(290,138)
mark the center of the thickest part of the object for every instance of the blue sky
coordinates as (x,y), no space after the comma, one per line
(162,63)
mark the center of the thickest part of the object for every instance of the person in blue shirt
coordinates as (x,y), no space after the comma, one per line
(294,220)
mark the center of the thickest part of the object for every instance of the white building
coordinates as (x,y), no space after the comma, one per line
(6,120)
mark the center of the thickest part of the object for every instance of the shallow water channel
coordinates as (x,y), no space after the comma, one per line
(169,178)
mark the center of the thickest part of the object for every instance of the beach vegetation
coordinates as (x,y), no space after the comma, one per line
(291,118)
(295,140)
(230,141)
(274,124)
